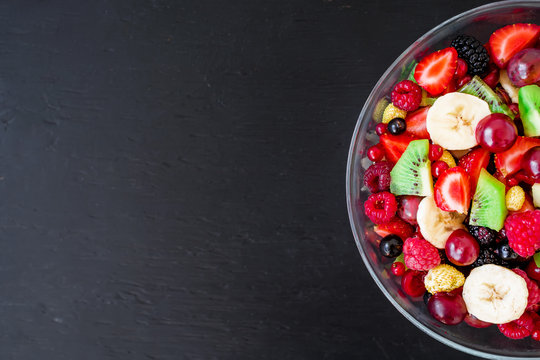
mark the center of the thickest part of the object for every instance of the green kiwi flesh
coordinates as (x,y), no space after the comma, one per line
(529,109)
(489,203)
(412,173)
(480,89)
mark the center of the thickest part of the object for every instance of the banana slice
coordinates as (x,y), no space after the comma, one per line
(507,85)
(495,294)
(435,224)
(451,121)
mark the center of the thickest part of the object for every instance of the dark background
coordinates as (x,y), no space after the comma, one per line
(172,178)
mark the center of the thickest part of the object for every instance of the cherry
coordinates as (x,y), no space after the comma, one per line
(473,321)
(398,268)
(496,132)
(531,162)
(461,68)
(375,153)
(408,207)
(438,167)
(461,248)
(380,129)
(533,271)
(435,152)
(447,308)
(492,78)
(464,80)
(412,284)
(391,246)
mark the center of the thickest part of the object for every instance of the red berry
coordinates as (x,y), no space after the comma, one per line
(496,132)
(381,207)
(436,70)
(438,168)
(407,95)
(408,207)
(463,80)
(412,284)
(473,162)
(523,232)
(461,248)
(519,328)
(398,268)
(512,181)
(375,153)
(380,129)
(395,226)
(448,308)
(532,287)
(461,68)
(377,177)
(492,78)
(533,271)
(419,254)
(536,335)
(435,152)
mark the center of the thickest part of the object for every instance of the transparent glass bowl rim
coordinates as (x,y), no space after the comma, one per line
(357,231)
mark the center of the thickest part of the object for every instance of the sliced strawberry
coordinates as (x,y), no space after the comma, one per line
(397,227)
(472,163)
(511,39)
(453,190)
(509,161)
(435,71)
(395,145)
(416,123)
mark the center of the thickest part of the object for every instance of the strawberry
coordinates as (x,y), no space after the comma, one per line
(435,71)
(453,190)
(509,161)
(473,162)
(511,39)
(395,145)
(416,123)
(397,227)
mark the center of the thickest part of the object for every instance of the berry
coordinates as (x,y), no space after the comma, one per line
(435,71)
(506,253)
(438,168)
(496,132)
(464,80)
(406,95)
(461,68)
(487,256)
(534,292)
(408,207)
(375,153)
(419,254)
(412,284)
(536,335)
(523,232)
(484,235)
(443,278)
(435,152)
(515,198)
(473,52)
(398,268)
(392,112)
(532,270)
(391,246)
(377,177)
(380,129)
(396,126)
(492,78)
(395,145)
(473,321)
(452,191)
(447,308)
(507,41)
(461,248)
(509,161)
(473,162)
(381,207)
(416,123)
(531,162)
(395,226)
(519,328)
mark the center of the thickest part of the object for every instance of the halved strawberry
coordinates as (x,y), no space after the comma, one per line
(511,39)
(453,190)
(509,161)
(472,163)
(435,71)
(395,145)
(416,123)
(397,227)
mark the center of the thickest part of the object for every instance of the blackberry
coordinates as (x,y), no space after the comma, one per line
(473,52)
(487,256)
(484,236)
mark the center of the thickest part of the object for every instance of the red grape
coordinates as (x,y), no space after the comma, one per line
(496,132)
(531,162)
(533,271)
(408,207)
(461,248)
(447,308)
(524,67)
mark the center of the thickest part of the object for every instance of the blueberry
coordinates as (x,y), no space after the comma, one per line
(396,126)
(426,297)
(391,246)
(506,253)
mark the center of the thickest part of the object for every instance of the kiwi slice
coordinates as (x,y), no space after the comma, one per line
(529,109)
(412,173)
(480,89)
(489,203)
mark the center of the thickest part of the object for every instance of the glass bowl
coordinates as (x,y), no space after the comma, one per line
(479,22)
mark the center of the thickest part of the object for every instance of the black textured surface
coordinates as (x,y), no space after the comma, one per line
(172,178)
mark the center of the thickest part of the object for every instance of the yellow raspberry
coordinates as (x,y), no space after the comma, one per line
(443,278)
(448,158)
(515,197)
(392,112)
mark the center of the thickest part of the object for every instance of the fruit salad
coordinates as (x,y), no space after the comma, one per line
(454,181)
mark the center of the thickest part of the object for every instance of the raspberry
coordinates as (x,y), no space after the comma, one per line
(519,328)
(407,95)
(523,232)
(419,254)
(380,207)
(377,177)
(534,292)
